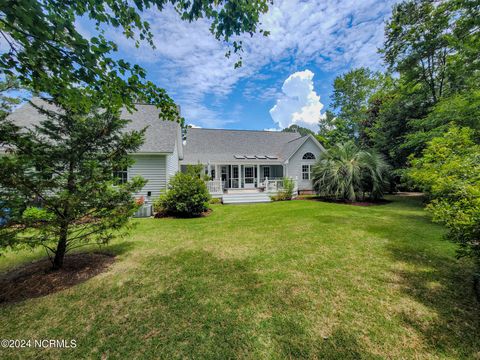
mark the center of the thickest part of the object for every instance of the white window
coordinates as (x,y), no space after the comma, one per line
(121,176)
(308,156)
(306,172)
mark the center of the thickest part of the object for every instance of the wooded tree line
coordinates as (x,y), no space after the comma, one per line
(432,55)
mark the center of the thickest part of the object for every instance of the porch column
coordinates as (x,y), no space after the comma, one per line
(258,175)
(216,172)
(208,169)
(240,176)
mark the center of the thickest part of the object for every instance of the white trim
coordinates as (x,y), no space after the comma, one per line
(315,141)
(233,162)
(151,153)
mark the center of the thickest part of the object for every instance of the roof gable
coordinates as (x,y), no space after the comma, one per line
(293,146)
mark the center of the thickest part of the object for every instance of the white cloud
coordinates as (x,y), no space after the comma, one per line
(299,104)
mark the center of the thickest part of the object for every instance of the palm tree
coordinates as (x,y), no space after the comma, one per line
(344,172)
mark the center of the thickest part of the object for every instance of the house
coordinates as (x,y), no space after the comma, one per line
(235,159)
(156,160)
(244,159)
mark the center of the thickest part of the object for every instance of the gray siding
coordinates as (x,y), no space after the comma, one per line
(153,169)
(294,167)
(172,163)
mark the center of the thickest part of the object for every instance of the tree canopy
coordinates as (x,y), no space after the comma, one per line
(48,53)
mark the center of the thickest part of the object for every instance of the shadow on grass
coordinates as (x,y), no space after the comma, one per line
(220,308)
(116,249)
(445,286)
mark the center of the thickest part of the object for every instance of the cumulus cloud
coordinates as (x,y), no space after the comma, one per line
(299,104)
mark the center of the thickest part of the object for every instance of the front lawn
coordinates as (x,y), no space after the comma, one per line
(298,279)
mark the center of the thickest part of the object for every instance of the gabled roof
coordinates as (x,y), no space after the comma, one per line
(214,145)
(292,147)
(160,136)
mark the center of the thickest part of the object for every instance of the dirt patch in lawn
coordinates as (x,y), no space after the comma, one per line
(345,202)
(37,279)
(161,215)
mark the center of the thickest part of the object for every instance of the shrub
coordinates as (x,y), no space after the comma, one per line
(186,196)
(346,172)
(215,201)
(287,191)
(157,205)
(449,173)
(35,214)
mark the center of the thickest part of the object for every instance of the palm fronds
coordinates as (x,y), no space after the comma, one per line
(347,172)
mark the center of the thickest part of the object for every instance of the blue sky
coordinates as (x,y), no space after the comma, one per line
(285,78)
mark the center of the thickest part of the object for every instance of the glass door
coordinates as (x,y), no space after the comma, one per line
(249,175)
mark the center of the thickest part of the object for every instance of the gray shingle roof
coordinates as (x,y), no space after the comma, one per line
(159,137)
(203,145)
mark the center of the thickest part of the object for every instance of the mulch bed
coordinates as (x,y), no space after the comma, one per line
(161,215)
(37,279)
(345,202)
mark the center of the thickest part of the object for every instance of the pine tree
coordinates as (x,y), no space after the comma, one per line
(57,179)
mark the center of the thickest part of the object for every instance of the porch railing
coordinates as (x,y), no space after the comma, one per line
(215,186)
(276,185)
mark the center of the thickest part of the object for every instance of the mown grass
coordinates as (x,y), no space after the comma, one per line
(299,279)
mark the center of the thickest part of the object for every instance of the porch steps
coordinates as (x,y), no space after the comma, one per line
(246,198)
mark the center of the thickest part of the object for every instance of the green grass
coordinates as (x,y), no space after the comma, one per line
(299,279)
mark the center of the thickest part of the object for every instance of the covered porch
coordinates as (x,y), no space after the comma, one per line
(244,176)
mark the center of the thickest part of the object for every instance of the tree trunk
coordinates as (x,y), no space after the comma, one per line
(476,285)
(61,248)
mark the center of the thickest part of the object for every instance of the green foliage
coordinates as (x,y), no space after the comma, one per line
(215,201)
(34,214)
(417,44)
(298,129)
(351,94)
(348,173)
(391,111)
(48,53)
(186,196)
(461,109)
(333,130)
(286,193)
(7,100)
(65,166)
(198,171)
(449,172)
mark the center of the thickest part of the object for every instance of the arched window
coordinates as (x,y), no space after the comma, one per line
(308,156)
